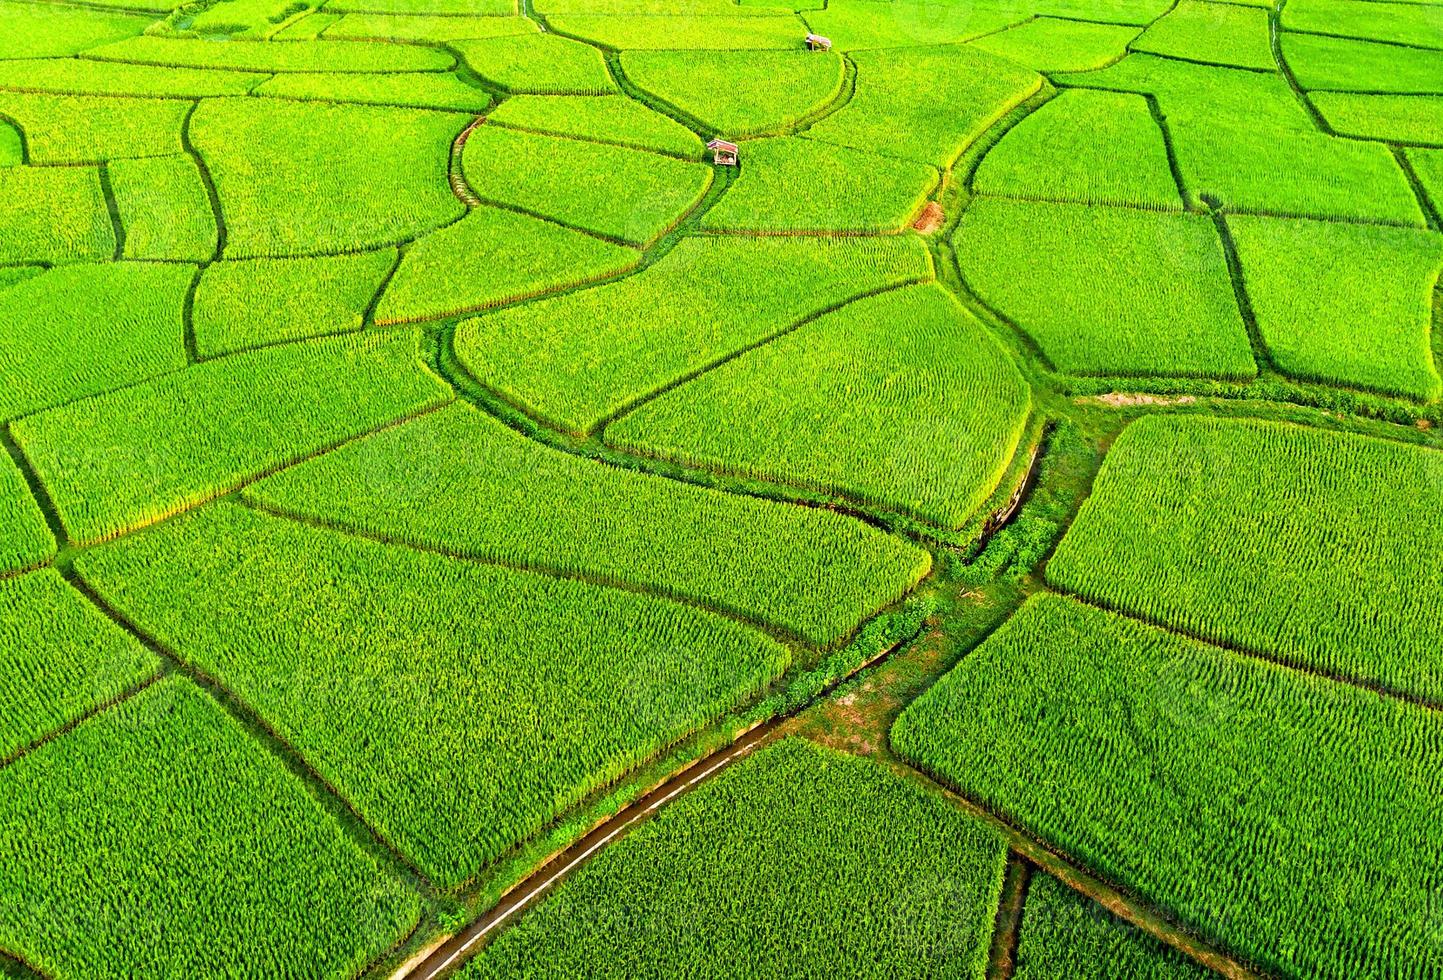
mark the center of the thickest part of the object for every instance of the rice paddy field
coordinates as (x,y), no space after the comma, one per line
(721,488)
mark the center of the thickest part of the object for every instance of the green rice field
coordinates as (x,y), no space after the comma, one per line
(643,489)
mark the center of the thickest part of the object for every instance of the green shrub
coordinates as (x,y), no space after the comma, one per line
(1217,33)
(136,455)
(160,839)
(414,27)
(632,196)
(53,214)
(492,257)
(90,129)
(300,178)
(600,118)
(797,184)
(645,31)
(539,64)
(24,538)
(797,861)
(53,31)
(1322,63)
(416,90)
(256,302)
(164,209)
(1344,303)
(1214,785)
(578,359)
(1049,44)
(1063,934)
(1395,118)
(901,400)
(1091,147)
(1109,291)
(459,481)
(926,104)
(74,76)
(459,708)
(1294,542)
(80,330)
(60,659)
(313,56)
(739,93)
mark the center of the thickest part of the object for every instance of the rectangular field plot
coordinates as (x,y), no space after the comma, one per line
(1216,33)
(417,90)
(439,8)
(164,209)
(1049,44)
(462,482)
(1304,545)
(798,184)
(1085,146)
(53,214)
(580,358)
(459,708)
(1403,22)
(83,329)
(538,64)
(25,540)
(739,93)
(422,27)
(28,30)
(1279,814)
(160,839)
(1344,303)
(633,196)
(926,104)
(1428,165)
(616,119)
(1108,291)
(72,76)
(641,31)
(901,400)
(492,257)
(1414,119)
(139,454)
(1322,63)
(798,861)
(60,658)
(92,129)
(300,178)
(1063,934)
(315,56)
(855,25)
(255,302)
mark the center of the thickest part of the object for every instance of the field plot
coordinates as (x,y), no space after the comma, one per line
(72,76)
(136,455)
(579,359)
(164,209)
(1065,935)
(1344,303)
(1212,33)
(855,25)
(1323,63)
(600,118)
(60,658)
(255,302)
(1084,146)
(900,400)
(739,93)
(926,104)
(31,31)
(319,56)
(538,64)
(1416,119)
(629,195)
(423,27)
(312,178)
(1108,290)
(458,707)
(1095,732)
(797,861)
(50,350)
(1402,22)
(1428,165)
(1049,44)
(440,8)
(1293,542)
(799,184)
(74,129)
(641,32)
(460,481)
(417,90)
(1243,141)
(53,214)
(166,786)
(492,257)
(24,538)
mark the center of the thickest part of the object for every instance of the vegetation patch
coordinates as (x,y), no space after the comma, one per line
(1394,118)
(70,129)
(74,76)
(164,209)
(418,90)
(422,27)
(640,32)
(29,30)
(601,118)
(25,540)
(1214,33)
(1049,44)
(538,64)
(317,56)
(1323,63)
(53,214)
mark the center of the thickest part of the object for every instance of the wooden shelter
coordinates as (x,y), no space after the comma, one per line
(815,42)
(723,153)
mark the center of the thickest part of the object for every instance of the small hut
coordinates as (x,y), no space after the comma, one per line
(815,42)
(723,153)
